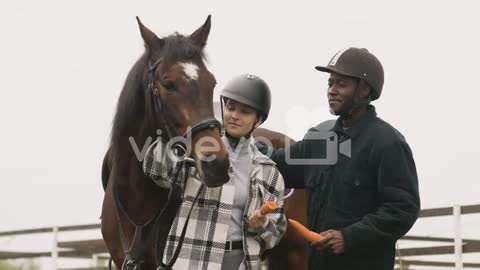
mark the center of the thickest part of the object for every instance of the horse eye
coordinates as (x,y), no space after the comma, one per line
(168,85)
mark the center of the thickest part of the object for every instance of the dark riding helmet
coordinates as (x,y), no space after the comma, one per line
(250,90)
(360,64)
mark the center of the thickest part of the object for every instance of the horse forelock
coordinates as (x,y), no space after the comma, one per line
(179,48)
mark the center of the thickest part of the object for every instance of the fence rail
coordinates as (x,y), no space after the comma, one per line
(93,248)
(50,229)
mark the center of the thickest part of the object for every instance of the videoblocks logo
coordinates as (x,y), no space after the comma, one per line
(326,145)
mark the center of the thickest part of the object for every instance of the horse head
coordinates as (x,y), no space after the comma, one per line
(179,93)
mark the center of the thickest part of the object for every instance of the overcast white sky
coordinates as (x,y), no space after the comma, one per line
(63,64)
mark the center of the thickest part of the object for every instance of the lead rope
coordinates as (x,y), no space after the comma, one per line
(158,259)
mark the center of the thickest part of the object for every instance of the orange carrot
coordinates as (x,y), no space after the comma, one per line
(268,207)
(306,233)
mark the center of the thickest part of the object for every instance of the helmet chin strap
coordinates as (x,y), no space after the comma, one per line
(234,141)
(259,122)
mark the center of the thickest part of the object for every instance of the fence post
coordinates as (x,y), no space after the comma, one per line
(55,248)
(457,214)
(95,262)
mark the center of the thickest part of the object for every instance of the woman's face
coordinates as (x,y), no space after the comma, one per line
(238,118)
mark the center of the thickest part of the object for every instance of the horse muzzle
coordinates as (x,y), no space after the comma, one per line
(214,173)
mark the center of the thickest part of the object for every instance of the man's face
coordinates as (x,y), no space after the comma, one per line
(341,93)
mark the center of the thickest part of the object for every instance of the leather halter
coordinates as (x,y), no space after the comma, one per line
(134,253)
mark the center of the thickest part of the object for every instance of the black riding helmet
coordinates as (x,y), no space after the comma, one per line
(360,64)
(250,90)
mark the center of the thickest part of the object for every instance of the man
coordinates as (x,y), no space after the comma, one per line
(366,197)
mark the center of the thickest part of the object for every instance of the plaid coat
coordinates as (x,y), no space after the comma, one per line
(204,242)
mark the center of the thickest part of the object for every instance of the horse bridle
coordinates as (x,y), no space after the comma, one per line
(207,123)
(134,252)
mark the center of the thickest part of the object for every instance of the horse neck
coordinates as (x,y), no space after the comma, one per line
(134,188)
(132,126)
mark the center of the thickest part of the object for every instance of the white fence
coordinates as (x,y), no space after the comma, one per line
(95,249)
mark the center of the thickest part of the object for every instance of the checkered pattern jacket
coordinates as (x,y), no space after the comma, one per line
(204,243)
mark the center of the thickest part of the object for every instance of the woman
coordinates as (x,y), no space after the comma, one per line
(227,231)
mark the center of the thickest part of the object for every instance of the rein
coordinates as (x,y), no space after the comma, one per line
(135,252)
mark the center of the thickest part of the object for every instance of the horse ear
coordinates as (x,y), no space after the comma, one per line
(151,40)
(200,36)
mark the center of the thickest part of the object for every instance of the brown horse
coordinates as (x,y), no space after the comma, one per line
(168,90)
(291,252)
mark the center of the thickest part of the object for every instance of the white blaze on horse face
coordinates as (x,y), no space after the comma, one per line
(190,70)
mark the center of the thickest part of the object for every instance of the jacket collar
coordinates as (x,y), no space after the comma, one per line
(359,126)
(257,156)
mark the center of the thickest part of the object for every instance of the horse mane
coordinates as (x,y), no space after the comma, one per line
(131,109)
(131,103)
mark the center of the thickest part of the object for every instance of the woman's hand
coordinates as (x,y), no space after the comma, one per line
(257,219)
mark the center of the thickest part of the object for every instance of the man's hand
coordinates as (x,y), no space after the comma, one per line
(331,243)
(257,220)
